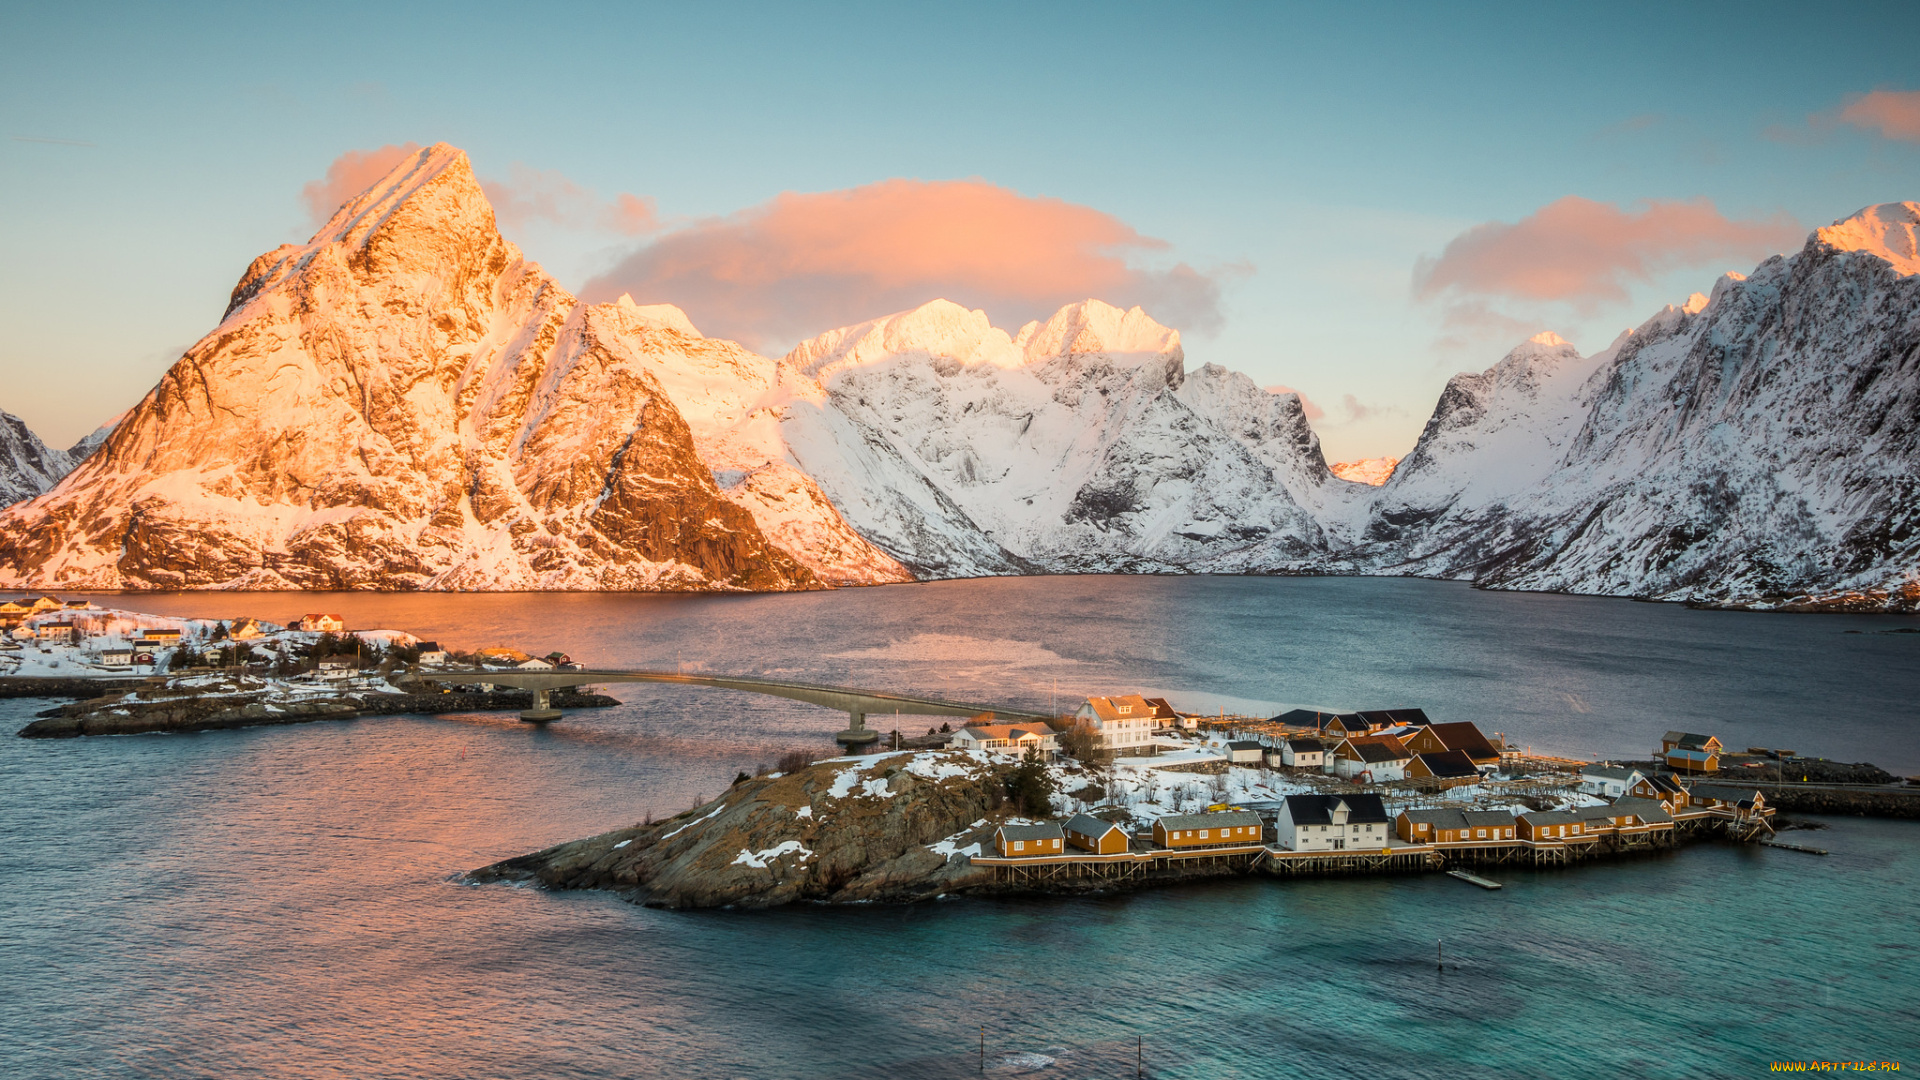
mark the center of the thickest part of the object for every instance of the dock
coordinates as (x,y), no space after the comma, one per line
(1473,879)
(1784,846)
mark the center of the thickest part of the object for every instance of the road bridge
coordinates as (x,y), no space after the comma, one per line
(857,703)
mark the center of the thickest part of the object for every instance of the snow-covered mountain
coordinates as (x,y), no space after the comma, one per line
(407,402)
(1077,444)
(403,402)
(1369,471)
(1758,447)
(27,465)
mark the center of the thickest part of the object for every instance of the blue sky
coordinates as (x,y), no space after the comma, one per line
(1304,160)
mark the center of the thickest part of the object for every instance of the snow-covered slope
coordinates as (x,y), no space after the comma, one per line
(1369,471)
(963,450)
(403,402)
(1754,448)
(27,465)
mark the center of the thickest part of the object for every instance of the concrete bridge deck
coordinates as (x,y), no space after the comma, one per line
(856,702)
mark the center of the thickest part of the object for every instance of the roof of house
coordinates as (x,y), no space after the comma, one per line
(1216,819)
(1301,717)
(1611,772)
(429,646)
(1692,755)
(1107,709)
(1687,740)
(1552,817)
(1483,818)
(1161,709)
(1647,810)
(1006,731)
(1246,744)
(1449,764)
(1346,722)
(1307,746)
(1437,817)
(1046,830)
(1088,825)
(1318,809)
(1663,783)
(1465,735)
(1372,748)
(1392,717)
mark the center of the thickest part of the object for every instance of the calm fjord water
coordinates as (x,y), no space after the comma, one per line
(281,901)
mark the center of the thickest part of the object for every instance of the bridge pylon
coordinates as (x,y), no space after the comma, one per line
(858,735)
(543,711)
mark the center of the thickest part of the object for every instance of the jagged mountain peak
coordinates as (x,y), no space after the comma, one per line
(658,316)
(1889,231)
(937,328)
(1094,327)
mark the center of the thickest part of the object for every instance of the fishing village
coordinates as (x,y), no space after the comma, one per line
(1126,790)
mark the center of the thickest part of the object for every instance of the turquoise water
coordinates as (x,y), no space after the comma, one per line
(282,901)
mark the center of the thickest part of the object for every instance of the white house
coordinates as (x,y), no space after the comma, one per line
(1122,724)
(338,668)
(432,655)
(1333,823)
(1371,759)
(1245,752)
(116,656)
(1609,781)
(1303,754)
(1015,739)
(535,664)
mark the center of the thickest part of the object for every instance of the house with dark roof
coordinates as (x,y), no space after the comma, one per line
(1692,761)
(1371,759)
(1562,825)
(1245,752)
(1744,801)
(1430,825)
(1333,823)
(1464,736)
(1020,841)
(1089,833)
(1446,769)
(1608,781)
(1490,824)
(1300,753)
(1663,789)
(1687,740)
(1219,828)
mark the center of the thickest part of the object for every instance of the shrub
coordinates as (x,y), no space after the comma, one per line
(1081,742)
(795,760)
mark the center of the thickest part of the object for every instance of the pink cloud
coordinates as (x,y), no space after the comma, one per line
(350,174)
(529,195)
(1895,114)
(1584,252)
(526,195)
(804,263)
(1312,411)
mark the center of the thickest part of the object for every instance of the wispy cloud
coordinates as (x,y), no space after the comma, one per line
(525,196)
(1585,253)
(1893,114)
(529,195)
(806,262)
(350,174)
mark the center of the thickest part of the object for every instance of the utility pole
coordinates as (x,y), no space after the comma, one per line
(1439,955)
(983,1048)
(1140,1056)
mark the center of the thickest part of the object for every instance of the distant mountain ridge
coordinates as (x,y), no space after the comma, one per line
(405,402)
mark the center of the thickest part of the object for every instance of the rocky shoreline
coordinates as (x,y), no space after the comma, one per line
(219,712)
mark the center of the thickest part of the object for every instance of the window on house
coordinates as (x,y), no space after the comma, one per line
(1203,834)
(1480,834)
(1019,845)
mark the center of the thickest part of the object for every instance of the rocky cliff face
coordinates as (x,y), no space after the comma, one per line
(888,827)
(404,402)
(27,465)
(1759,447)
